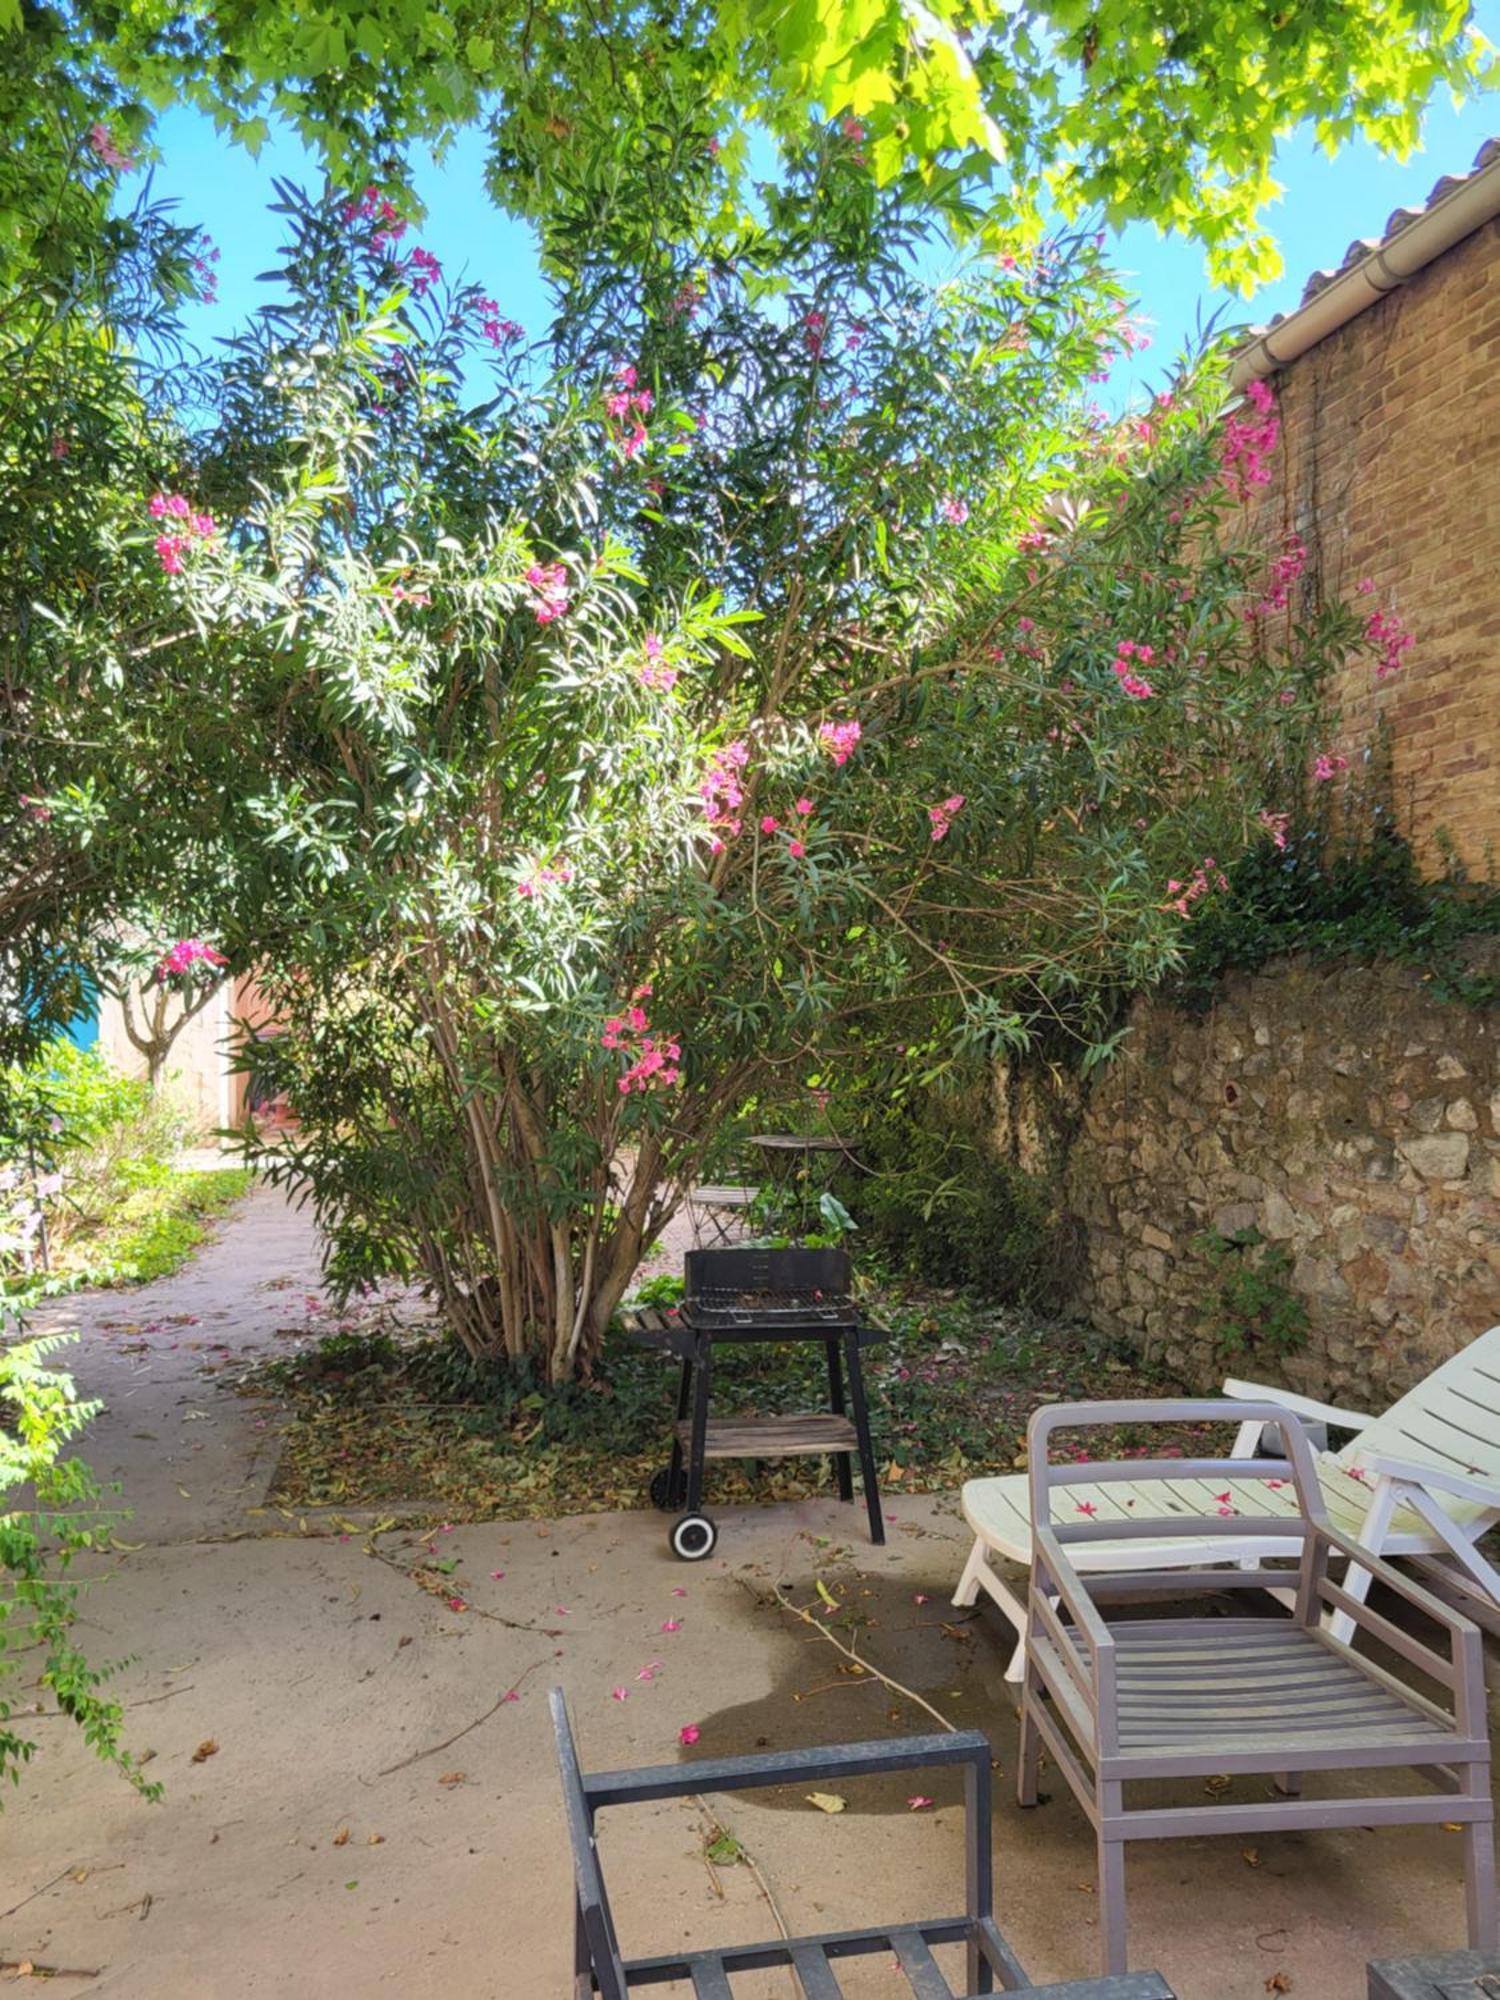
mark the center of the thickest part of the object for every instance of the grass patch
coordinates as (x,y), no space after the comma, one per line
(157,1220)
(381,1413)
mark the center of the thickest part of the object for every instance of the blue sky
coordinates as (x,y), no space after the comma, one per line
(1326,204)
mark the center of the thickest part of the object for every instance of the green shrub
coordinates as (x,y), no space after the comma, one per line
(935,1198)
(40,1415)
(1340,894)
(1250,1308)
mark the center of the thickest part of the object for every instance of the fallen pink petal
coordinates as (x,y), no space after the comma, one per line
(689,1734)
(619,1694)
(918,1803)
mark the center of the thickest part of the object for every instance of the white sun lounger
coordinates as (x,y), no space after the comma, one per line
(1422,1480)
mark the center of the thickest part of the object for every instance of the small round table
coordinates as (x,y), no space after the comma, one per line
(790,1156)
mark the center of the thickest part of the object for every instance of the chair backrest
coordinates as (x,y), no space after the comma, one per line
(1450,1419)
(1194,1482)
(592,1904)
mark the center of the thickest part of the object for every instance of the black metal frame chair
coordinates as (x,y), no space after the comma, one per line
(598,1967)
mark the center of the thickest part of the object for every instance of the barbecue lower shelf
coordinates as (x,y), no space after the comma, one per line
(772,1437)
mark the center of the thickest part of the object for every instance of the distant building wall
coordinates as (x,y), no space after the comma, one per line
(1389,469)
(198,1073)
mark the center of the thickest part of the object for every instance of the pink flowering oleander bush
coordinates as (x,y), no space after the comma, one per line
(634,726)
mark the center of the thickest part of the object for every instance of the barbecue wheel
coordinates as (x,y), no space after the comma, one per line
(665,1492)
(693,1537)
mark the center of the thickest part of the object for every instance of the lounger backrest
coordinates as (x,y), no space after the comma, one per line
(592,1903)
(1450,1419)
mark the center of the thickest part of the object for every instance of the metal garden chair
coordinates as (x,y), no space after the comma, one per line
(1152,1698)
(990,1963)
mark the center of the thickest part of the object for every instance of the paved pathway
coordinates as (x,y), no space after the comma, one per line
(189,1455)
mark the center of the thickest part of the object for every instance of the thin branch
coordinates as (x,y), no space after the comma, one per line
(512,1693)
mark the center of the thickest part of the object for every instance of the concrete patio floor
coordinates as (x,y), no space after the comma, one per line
(328,1846)
(352,1808)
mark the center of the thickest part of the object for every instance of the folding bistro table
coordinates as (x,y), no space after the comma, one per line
(762,1295)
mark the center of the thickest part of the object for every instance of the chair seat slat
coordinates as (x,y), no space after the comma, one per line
(814,1973)
(920,1967)
(710,1980)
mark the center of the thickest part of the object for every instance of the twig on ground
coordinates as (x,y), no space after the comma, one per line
(62,1877)
(716,1819)
(474,1610)
(29,1969)
(509,1694)
(865,1666)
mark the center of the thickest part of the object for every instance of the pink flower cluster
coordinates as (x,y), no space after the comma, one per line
(417,599)
(1385,630)
(655,1063)
(1034,538)
(173,545)
(550,583)
(1249,441)
(1328,765)
(840,739)
(942,816)
(1207,875)
(496,329)
(544,878)
(186,953)
(1284,573)
(375,207)
(814,332)
(1132,336)
(1130,681)
(626,407)
(686,299)
(654,671)
(770,824)
(721,791)
(1276,825)
(107,150)
(955,510)
(424,270)
(203,261)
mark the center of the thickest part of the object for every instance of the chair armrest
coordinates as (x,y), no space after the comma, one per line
(1300,1406)
(1454,1622)
(783,1767)
(1072,1592)
(1464,1486)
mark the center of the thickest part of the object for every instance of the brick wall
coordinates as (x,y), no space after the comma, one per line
(1389,468)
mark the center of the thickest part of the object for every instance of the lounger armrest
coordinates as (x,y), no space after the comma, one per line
(1306,1407)
(785,1767)
(1463,1485)
(1454,1622)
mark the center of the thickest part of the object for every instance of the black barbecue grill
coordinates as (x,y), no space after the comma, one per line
(745,1295)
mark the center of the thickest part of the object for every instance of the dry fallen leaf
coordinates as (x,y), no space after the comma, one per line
(1279,1982)
(828,1802)
(341,1838)
(206,1749)
(1250,1856)
(1215,1787)
(451,1778)
(375,1840)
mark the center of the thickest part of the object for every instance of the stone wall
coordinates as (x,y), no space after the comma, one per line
(1347,1114)
(1389,469)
